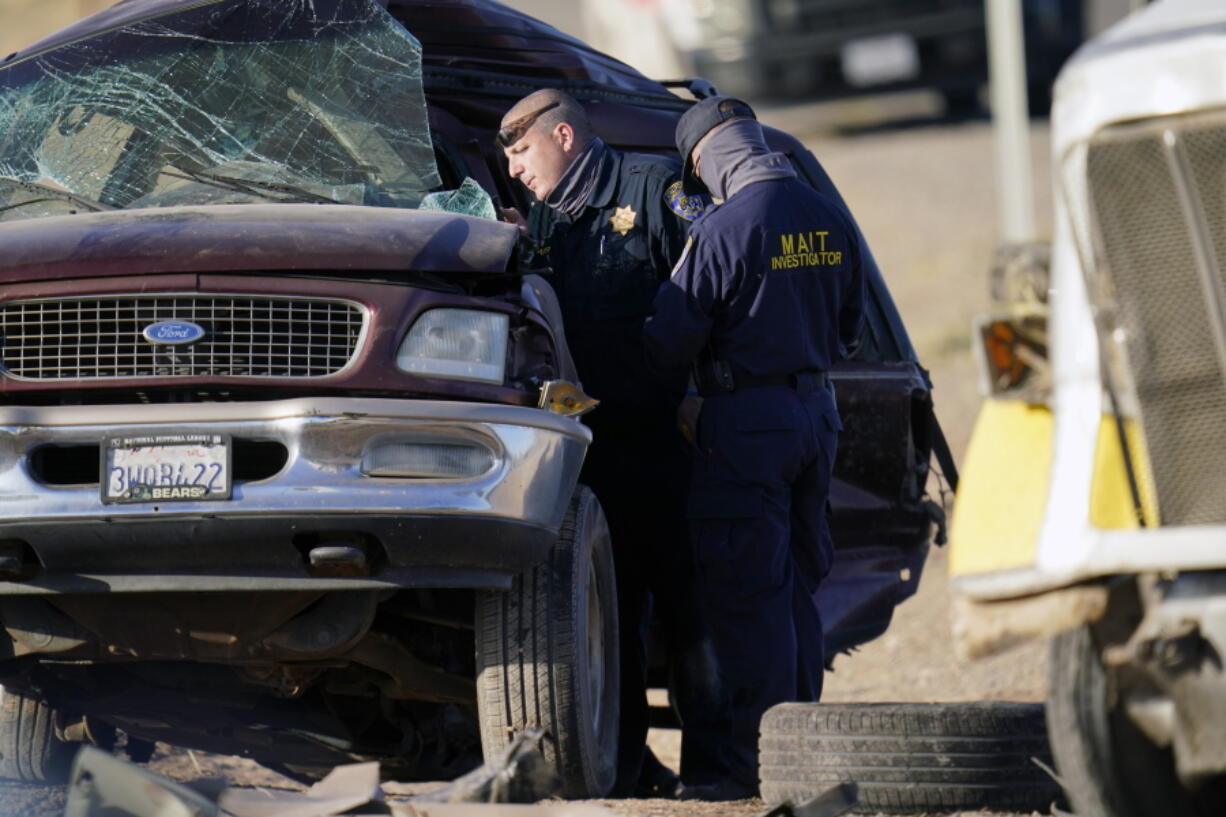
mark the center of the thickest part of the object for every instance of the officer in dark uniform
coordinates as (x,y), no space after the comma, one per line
(767,296)
(610,225)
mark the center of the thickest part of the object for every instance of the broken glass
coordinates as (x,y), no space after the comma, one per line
(229,101)
(46,199)
(469,199)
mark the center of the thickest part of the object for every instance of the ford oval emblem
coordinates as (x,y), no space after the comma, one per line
(173,333)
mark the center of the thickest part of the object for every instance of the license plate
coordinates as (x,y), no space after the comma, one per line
(878,60)
(166,468)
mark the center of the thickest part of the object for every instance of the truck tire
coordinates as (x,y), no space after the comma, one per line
(909,758)
(1109,768)
(30,750)
(547,655)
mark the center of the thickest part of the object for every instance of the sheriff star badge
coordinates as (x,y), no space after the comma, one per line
(623,219)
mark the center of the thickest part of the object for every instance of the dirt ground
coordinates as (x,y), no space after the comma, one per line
(922,191)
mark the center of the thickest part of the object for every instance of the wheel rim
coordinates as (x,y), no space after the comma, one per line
(595,648)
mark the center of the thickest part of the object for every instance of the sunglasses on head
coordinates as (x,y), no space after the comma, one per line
(512,132)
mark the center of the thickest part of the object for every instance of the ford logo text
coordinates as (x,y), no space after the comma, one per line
(173,333)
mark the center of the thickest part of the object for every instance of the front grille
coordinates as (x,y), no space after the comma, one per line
(245,336)
(1156,195)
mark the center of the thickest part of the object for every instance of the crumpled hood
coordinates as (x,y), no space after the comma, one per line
(252,237)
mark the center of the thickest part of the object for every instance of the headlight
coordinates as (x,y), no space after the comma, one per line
(464,344)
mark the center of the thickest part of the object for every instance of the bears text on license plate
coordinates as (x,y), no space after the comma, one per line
(166,468)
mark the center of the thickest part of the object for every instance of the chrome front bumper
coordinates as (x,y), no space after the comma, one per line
(427,532)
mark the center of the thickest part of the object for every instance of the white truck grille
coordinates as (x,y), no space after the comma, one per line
(1159,214)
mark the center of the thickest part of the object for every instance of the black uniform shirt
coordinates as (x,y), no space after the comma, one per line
(608,263)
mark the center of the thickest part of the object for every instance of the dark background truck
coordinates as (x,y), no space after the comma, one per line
(286,456)
(823,49)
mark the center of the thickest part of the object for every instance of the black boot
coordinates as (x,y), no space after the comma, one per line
(718,792)
(656,780)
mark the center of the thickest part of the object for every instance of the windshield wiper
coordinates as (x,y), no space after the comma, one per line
(49,194)
(252,187)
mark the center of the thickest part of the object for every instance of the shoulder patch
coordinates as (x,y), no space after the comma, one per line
(688,207)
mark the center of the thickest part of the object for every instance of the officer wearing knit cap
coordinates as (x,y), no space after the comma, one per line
(697,122)
(768,295)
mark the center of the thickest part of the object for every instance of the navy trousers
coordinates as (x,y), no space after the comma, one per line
(640,475)
(758,517)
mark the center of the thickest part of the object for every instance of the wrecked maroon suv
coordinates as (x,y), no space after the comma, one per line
(288,445)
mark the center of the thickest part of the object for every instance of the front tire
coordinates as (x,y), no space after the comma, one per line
(547,655)
(1108,766)
(30,749)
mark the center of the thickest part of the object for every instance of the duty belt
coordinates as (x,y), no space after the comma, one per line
(742,380)
(722,379)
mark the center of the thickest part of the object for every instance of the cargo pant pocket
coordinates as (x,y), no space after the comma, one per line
(735,546)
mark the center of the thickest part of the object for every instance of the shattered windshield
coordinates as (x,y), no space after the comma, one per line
(230,101)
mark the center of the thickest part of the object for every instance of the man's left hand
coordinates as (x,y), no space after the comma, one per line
(513,216)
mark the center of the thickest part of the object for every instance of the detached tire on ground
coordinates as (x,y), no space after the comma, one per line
(30,751)
(909,758)
(547,655)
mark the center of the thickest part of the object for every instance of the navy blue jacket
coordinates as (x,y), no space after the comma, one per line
(771,281)
(608,264)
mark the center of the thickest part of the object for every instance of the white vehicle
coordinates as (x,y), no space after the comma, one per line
(1093,499)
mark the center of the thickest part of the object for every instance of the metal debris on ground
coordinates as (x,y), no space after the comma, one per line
(344,789)
(559,808)
(102,785)
(830,803)
(519,775)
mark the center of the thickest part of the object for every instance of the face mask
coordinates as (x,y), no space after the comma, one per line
(736,155)
(574,189)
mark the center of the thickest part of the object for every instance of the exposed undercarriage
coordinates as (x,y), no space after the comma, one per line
(300,681)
